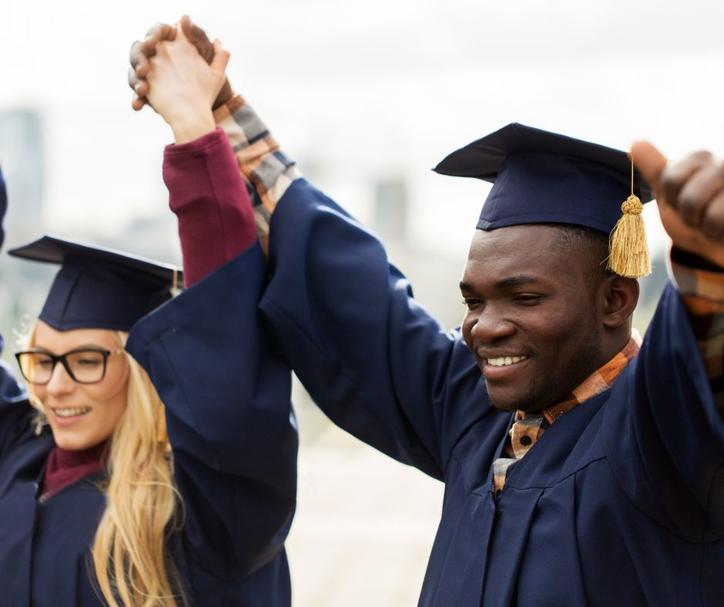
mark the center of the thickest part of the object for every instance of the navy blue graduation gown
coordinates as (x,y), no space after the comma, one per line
(621,501)
(234,444)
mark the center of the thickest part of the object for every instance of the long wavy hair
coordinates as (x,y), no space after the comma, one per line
(130,551)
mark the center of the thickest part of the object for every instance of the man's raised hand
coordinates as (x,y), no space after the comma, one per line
(182,86)
(690,195)
(143,50)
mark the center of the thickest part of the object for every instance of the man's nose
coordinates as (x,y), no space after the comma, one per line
(491,325)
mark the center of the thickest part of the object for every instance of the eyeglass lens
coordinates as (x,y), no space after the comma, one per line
(84,366)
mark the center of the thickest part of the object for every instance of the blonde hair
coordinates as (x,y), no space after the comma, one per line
(130,556)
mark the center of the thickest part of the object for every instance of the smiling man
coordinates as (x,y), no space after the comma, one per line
(582,467)
(530,326)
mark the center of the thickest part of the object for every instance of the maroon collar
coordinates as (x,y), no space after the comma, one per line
(66,467)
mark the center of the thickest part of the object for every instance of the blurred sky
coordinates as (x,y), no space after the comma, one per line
(357,90)
(360,91)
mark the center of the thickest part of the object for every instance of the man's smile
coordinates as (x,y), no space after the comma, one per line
(504,361)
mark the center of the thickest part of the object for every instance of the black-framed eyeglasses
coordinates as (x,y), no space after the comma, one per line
(84,365)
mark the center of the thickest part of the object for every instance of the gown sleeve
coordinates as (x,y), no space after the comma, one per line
(665,417)
(226,392)
(213,209)
(15,411)
(371,357)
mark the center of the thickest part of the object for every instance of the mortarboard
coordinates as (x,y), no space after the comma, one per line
(544,177)
(97,287)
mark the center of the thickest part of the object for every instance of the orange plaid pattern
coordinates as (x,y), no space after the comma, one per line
(702,292)
(265,168)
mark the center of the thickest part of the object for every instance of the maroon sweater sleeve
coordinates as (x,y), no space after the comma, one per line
(210,200)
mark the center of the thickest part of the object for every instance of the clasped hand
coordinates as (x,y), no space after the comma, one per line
(690,195)
(169,73)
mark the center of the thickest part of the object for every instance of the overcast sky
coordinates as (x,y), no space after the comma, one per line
(362,89)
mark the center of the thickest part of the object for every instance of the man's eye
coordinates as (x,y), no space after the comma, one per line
(471,302)
(527,298)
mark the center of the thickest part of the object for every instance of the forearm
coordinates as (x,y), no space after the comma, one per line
(701,286)
(210,200)
(227,397)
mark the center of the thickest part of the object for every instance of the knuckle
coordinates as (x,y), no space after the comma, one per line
(702,156)
(670,183)
(153,29)
(713,223)
(693,201)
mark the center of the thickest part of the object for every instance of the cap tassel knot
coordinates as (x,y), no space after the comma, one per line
(628,250)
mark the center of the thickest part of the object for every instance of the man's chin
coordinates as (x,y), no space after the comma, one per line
(513,400)
(503,403)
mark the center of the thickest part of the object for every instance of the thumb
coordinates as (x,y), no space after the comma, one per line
(221,57)
(181,28)
(185,27)
(649,161)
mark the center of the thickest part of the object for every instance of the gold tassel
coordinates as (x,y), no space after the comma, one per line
(628,250)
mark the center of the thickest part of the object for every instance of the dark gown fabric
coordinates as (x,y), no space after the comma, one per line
(621,501)
(234,443)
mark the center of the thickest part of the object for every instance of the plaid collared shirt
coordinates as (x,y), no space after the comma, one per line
(268,173)
(702,292)
(265,168)
(527,428)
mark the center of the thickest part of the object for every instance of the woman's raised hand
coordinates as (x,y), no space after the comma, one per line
(178,82)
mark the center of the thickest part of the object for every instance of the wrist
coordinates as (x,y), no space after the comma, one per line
(225,95)
(189,128)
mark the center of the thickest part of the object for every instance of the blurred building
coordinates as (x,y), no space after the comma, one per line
(22,157)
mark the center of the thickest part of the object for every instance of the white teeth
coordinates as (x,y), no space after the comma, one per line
(70,412)
(504,361)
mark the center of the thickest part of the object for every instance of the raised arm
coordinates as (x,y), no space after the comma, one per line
(226,391)
(671,413)
(372,358)
(184,88)
(690,196)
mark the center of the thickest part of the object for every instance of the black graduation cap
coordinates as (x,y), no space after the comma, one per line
(544,177)
(3,205)
(97,287)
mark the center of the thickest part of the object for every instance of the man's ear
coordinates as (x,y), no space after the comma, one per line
(619,297)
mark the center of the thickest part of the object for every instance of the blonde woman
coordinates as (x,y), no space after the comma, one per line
(108,497)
